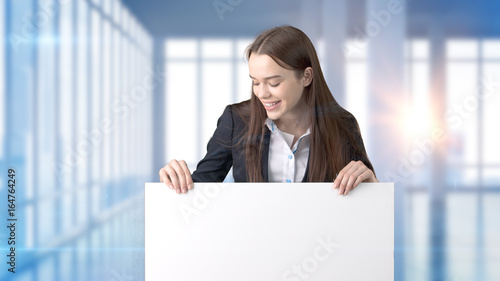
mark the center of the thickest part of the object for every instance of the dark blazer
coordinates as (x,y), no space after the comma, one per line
(223,151)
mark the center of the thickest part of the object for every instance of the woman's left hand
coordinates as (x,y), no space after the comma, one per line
(351,175)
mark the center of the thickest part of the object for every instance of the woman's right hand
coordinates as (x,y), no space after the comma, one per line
(176,175)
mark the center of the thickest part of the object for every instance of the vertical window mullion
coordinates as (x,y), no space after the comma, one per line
(199,99)
(479,225)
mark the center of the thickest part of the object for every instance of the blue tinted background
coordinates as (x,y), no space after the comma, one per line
(96,96)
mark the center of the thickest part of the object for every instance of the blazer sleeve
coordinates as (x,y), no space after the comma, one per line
(218,160)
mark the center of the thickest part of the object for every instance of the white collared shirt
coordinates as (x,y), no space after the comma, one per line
(287,164)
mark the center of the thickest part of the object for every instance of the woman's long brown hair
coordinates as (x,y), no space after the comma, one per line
(334,131)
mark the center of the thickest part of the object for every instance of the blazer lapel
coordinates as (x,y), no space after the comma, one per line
(304,179)
(265,155)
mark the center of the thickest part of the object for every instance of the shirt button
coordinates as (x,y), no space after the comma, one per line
(290,156)
(288,180)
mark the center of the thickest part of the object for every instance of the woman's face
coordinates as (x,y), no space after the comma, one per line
(278,88)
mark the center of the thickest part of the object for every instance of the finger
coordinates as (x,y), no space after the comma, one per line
(340,175)
(345,179)
(189,180)
(371,177)
(366,174)
(353,178)
(180,174)
(173,177)
(164,178)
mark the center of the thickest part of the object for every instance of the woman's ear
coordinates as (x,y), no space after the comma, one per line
(308,76)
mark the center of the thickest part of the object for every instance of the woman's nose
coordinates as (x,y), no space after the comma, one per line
(262,91)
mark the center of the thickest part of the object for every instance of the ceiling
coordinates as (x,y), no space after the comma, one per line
(165,18)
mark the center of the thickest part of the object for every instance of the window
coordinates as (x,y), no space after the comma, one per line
(418,121)
(65,116)
(418,112)
(45,140)
(61,89)
(204,76)
(472,111)
(356,85)
(473,157)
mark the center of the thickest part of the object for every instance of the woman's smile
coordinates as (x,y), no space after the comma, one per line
(271,105)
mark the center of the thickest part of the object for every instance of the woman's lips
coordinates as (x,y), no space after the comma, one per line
(271,105)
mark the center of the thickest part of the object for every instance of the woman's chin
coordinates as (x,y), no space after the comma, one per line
(273,116)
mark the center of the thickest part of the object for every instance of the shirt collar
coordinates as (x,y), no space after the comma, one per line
(273,128)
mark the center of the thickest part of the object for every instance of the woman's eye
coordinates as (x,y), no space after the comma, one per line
(275,85)
(256,84)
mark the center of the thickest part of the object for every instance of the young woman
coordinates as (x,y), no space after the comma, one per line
(291,129)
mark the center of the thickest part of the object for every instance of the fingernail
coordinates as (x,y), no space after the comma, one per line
(184,190)
(171,186)
(178,190)
(190,186)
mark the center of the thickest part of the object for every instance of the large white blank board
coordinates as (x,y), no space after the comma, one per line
(269,231)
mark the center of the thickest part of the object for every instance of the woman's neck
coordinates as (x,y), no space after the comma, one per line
(294,127)
(294,124)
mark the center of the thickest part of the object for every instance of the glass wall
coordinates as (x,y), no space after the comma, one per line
(76,126)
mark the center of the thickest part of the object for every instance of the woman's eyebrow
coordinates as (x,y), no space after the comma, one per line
(267,78)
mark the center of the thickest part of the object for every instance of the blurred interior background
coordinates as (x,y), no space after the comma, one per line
(97,95)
